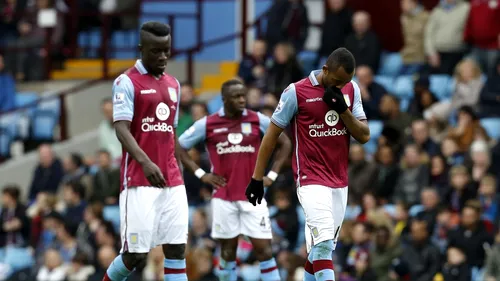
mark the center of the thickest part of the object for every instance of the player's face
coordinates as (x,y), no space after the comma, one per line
(338,78)
(236,99)
(155,52)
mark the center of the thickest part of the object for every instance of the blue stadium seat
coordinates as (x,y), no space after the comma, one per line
(403,87)
(5,142)
(9,123)
(386,81)
(306,60)
(390,64)
(492,127)
(112,214)
(376,127)
(44,123)
(404,104)
(26,98)
(439,85)
(51,104)
(214,104)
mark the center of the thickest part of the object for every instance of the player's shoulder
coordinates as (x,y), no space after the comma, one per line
(290,90)
(123,81)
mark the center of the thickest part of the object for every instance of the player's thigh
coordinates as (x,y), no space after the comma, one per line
(316,200)
(172,225)
(339,207)
(137,218)
(255,220)
(225,219)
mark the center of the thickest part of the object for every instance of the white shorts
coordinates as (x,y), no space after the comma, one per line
(230,219)
(324,208)
(151,216)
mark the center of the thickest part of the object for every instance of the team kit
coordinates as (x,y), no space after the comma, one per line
(322,112)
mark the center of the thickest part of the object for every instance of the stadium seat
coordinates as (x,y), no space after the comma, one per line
(5,142)
(439,85)
(492,127)
(214,104)
(44,123)
(386,81)
(403,87)
(112,214)
(390,64)
(404,104)
(26,98)
(376,127)
(51,104)
(9,123)
(306,60)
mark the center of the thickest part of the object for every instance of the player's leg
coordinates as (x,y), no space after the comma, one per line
(172,232)
(226,229)
(137,224)
(324,209)
(308,267)
(256,225)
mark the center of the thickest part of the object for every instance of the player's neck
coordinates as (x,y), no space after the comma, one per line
(232,115)
(319,78)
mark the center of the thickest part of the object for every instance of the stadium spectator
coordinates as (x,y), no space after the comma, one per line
(187,98)
(358,165)
(254,97)
(336,27)
(80,268)
(74,201)
(7,84)
(461,188)
(489,199)
(126,21)
(489,98)
(456,267)
(106,235)
(439,173)
(198,111)
(386,249)
(154,266)
(420,135)
(106,181)
(465,131)
(423,97)
(26,61)
(446,221)
(76,171)
(107,137)
(371,92)
(492,267)
(413,178)
(395,121)
(429,199)
(284,70)
(48,173)
(359,249)
(421,254)
(388,173)
(485,42)
(11,13)
(471,236)
(105,257)
(363,42)
(199,234)
(444,44)
(469,85)
(285,222)
(252,67)
(92,220)
(481,161)
(53,269)
(45,204)
(451,152)
(413,21)
(66,243)
(15,225)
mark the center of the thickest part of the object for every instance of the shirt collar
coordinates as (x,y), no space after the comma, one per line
(140,67)
(222,113)
(312,77)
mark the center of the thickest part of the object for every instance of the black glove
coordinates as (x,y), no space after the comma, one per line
(334,98)
(255,192)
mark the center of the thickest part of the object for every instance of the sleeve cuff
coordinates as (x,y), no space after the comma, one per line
(122,118)
(277,123)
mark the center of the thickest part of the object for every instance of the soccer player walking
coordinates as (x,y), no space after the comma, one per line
(324,110)
(153,201)
(232,137)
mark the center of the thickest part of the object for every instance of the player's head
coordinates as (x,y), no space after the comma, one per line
(155,46)
(234,96)
(339,68)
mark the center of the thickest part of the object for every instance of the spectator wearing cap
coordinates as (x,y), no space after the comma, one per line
(444,44)
(456,267)
(371,92)
(423,97)
(421,254)
(386,249)
(363,42)
(15,225)
(489,99)
(413,21)
(471,236)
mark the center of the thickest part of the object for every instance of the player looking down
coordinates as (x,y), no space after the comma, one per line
(232,137)
(324,110)
(153,202)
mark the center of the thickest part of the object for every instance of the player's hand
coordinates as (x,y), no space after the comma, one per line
(153,174)
(214,180)
(334,98)
(255,192)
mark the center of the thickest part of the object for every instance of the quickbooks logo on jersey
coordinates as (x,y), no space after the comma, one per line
(162,114)
(234,139)
(331,119)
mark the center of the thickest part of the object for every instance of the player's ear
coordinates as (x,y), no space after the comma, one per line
(325,69)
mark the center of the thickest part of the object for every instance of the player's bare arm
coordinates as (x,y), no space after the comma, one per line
(207,178)
(266,150)
(285,148)
(358,129)
(151,170)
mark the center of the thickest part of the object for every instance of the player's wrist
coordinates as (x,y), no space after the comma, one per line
(272,175)
(199,173)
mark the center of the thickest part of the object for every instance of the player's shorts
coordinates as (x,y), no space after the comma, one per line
(324,208)
(230,219)
(151,216)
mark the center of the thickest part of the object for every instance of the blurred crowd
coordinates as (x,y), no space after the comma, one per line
(423,206)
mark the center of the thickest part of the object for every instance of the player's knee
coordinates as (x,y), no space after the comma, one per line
(263,252)
(134,260)
(174,251)
(323,250)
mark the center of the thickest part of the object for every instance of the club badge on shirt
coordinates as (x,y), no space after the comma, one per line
(246,128)
(173,94)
